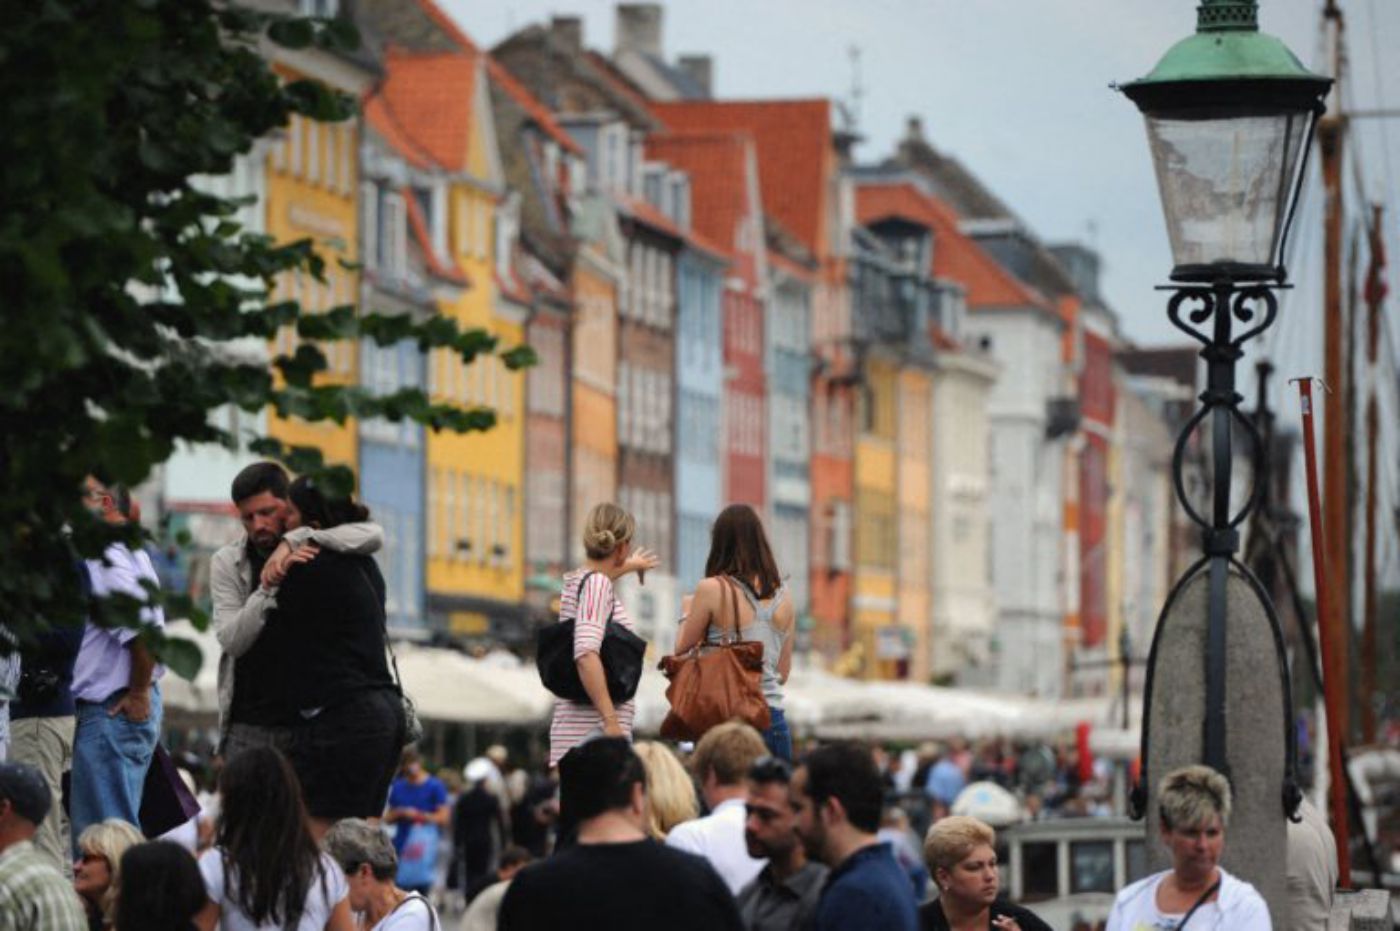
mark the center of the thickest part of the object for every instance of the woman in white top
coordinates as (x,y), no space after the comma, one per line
(1193,807)
(742,591)
(265,872)
(366,856)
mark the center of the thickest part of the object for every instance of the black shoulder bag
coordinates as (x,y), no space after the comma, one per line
(622,653)
(412,726)
(1205,896)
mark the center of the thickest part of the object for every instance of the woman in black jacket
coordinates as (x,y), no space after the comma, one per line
(339,700)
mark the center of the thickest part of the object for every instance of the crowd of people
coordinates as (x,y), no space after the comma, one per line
(319,812)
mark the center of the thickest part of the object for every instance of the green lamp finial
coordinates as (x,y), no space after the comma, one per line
(1227,16)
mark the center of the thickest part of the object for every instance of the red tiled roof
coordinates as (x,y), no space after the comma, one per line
(944,340)
(448,26)
(795,153)
(795,269)
(382,119)
(645,213)
(428,99)
(527,102)
(955,255)
(419,227)
(718,167)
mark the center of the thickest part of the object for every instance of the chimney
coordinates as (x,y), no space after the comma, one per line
(567,32)
(914,130)
(638,29)
(700,69)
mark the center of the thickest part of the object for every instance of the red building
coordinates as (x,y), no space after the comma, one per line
(1096,398)
(801,187)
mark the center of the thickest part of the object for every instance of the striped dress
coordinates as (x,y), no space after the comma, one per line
(575,721)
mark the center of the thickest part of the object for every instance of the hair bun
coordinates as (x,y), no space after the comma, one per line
(605,539)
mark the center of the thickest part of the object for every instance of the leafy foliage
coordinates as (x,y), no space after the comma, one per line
(127,287)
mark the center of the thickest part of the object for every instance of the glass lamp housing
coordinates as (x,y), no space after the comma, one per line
(1230,113)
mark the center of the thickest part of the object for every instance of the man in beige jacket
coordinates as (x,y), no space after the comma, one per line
(243,594)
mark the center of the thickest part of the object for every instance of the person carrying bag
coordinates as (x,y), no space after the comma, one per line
(588,600)
(734,648)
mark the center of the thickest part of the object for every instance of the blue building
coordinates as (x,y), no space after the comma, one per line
(699,402)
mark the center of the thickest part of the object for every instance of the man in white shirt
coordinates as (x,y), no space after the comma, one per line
(721,762)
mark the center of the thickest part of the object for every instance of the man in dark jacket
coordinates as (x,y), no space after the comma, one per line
(614,878)
(837,797)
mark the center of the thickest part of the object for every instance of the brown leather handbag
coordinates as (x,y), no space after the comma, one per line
(714,683)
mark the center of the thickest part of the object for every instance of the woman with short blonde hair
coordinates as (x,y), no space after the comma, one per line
(97,874)
(587,597)
(961,856)
(670,792)
(1193,808)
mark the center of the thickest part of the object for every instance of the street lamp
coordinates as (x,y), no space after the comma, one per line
(1230,115)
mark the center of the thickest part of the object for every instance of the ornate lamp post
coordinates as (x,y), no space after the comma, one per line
(1230,115)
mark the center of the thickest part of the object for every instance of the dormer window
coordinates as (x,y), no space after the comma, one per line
(634,164)
(678,207)
(551,165)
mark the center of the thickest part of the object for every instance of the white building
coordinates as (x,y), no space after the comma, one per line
(964,600)
(1027,413)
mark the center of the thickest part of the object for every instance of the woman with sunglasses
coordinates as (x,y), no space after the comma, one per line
(97,871)
(742,594)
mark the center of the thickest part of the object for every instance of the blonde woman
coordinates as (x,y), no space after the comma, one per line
(97,871)
(962,859)
(1193,808)
(670,792)
(589,599)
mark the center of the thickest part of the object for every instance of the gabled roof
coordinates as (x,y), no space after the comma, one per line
(644,213)
(424,105)
(535,110)
(718,165)
(955,255)
(796,154)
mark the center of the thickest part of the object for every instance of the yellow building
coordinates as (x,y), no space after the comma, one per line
(312,181)
(594,434)
(474,543)
(874,599)
(915,475)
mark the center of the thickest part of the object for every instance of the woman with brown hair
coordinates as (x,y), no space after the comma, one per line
(588,598)
(742,595)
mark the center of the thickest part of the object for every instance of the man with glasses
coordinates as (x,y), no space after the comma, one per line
(116,689)
(784,895)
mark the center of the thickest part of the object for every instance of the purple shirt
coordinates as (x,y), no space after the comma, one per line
(104,663)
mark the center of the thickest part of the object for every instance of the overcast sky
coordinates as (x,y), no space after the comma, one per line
(1018,90)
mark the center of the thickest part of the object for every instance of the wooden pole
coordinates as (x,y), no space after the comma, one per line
(1374,296)
(1333,685)
(1334,542)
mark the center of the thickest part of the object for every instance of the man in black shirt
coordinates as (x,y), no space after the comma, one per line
(614,878)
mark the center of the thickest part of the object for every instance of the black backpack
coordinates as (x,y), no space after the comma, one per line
(622,653)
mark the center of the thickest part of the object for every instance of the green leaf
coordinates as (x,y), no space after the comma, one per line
(181,656)
(292,33)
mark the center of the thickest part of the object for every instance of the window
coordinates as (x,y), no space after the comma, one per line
(347,158)
(393,240)
(325,8)
(1091,866)
(295,127)
(840,536)
(451,527)
(1040,871)
(313,152)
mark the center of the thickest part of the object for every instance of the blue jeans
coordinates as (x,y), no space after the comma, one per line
(778,738)
(110,757)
